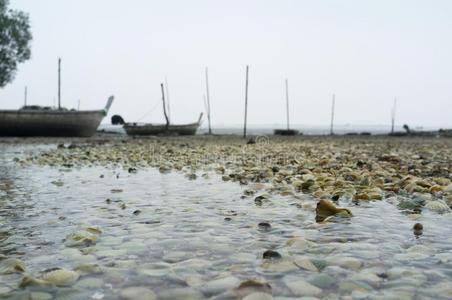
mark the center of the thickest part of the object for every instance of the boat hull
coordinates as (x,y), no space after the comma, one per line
(156,129)
(50,123)
(286,132)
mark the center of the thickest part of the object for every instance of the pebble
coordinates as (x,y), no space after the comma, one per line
(345,262)
(437,206)
(264,226)
(220,285)
(270,254)
(40,296)
(90,283)
(353,285)
(322,281)
(180,293)
(258,296)
(137,293)
(279,266)
(306,264)
(300,287)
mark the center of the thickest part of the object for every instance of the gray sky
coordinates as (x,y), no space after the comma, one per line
(366,52)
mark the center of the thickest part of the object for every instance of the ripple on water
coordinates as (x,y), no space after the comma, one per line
(180,243)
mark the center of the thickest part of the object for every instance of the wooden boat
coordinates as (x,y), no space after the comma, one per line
(162,129)
(46,121)
(285,132)
(34,120)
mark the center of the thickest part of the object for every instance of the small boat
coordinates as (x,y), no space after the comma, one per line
(162,129)
(34,120)
(46,121)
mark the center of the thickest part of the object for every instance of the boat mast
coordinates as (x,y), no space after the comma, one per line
(167,100)
(393,112)
(164,106)
(287,104)
(208,100)
(246,101)
(59,83)
(332,114)
(25,96)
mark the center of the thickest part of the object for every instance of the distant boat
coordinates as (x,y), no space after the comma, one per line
(35,120)
(162,129)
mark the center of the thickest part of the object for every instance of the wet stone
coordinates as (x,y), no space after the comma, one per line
(137,293)
(270,254)
(264,226)
(322,281)
(300,287)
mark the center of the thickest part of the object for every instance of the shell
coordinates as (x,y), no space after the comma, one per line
(57,277)
(61,277)
(81,238)
(306,264)
(326,208)
(437,206)
(11,265)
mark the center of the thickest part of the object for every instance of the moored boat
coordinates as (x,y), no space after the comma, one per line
(162,129)
(45,121)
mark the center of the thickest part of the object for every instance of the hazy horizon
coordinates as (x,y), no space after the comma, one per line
(366,52)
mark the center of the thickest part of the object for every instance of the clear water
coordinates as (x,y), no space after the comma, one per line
(190,232)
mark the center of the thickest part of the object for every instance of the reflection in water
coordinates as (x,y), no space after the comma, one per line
(201,238)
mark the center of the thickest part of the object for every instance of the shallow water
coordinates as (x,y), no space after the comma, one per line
(200,238)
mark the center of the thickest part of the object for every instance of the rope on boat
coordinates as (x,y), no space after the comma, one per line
(149,111)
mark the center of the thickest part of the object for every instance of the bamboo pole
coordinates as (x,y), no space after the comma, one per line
(332,114)
(59,83)
(287,104)
(164,106)
(208,100)
(393,112)
(246,102)
(168,99)
(25,96)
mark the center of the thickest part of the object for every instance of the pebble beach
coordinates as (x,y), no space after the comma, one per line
(222,217)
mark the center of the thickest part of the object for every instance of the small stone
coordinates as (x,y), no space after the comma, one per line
(264,226)
(137,293)
(270,254)
(418,229)
(322,281)
(220,285)
(253,286)
(326,208)
(302,288)
(40,296)
(437,206)
(258,296)
(306,264)
(180,293)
